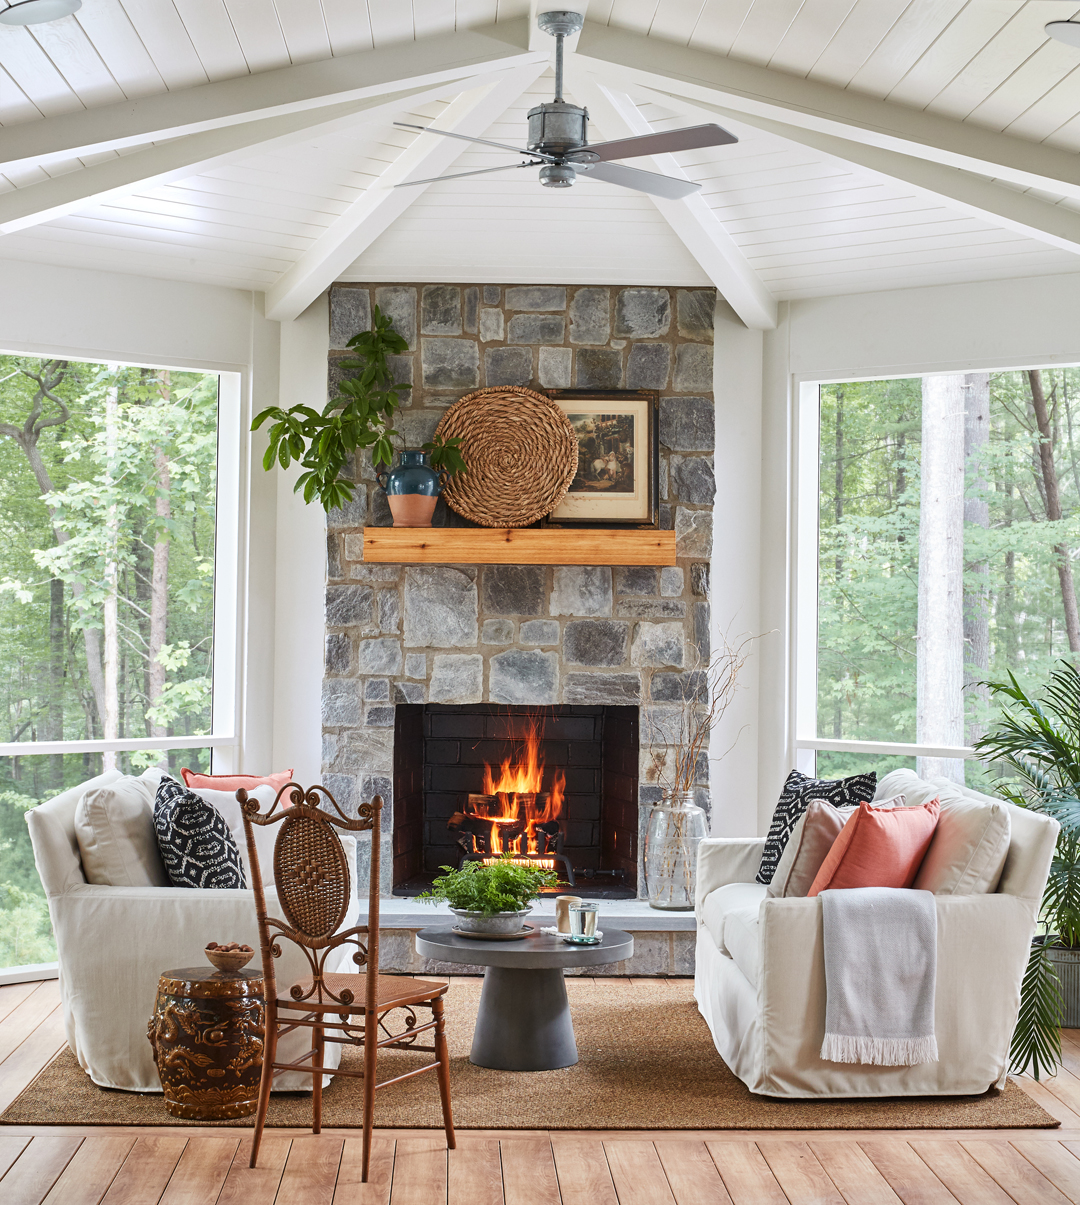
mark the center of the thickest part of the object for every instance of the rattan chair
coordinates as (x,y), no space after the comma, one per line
(313,888)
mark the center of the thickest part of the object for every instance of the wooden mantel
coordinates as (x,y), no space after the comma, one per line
(518,546)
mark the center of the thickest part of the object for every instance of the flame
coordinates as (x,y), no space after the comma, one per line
(516,790)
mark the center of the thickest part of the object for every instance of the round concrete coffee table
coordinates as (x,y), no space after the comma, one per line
(524,1020)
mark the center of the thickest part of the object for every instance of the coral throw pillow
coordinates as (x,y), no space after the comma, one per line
(878,847)
(233,782)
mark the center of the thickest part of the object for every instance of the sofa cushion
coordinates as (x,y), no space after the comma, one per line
(916,790)
(878,847)
(742,937)
(227,806)
(195,842)
(967,853)
(798,791)
(720,902)
(195,781)
(114,826)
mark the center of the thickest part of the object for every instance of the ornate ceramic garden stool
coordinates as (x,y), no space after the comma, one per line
(207,1034)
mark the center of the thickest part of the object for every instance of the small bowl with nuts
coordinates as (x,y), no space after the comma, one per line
(229,957)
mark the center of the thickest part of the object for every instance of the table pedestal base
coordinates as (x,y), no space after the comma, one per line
(524,1021)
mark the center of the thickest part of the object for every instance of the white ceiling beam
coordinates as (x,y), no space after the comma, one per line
(428,155)
(690,218)
(630,58)
(193,154)
(962,191)
(284,90)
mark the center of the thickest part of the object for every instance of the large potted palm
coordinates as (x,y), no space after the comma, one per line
(1037,743)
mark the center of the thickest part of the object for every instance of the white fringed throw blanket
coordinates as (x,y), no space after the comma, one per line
(880,972)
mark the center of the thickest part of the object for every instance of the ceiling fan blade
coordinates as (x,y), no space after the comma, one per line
(633,177)
(514,150)
(482,171)
(664,142)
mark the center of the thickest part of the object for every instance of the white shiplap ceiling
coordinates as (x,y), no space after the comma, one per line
(966,171)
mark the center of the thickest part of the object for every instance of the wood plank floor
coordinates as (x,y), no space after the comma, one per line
(109,1165)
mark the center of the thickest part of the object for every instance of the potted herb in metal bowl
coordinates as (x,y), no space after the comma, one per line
(493,898)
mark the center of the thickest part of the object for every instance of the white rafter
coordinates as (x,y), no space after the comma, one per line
(356,229)
(367,73)
(628,58)
(963,191)
(194,154)
(691,218)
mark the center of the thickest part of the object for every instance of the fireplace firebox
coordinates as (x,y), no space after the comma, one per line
(551,786)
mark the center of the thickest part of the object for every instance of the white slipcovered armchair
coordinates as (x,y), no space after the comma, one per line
(760,975)
(114,942)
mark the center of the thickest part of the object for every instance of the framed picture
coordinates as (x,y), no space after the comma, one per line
(618,457)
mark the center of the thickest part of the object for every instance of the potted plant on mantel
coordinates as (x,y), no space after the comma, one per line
(1038,740)
(358,418)
(490,899)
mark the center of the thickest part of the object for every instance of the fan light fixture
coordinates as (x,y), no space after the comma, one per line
(37,12)
(1064,31)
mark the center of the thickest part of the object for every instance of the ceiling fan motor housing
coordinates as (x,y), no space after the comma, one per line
(557,127)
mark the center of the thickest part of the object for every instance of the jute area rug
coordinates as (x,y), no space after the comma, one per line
(646,1061)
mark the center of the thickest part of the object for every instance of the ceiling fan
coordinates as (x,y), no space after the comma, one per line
(558,142)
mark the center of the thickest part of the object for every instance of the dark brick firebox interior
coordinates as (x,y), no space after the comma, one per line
(439,755)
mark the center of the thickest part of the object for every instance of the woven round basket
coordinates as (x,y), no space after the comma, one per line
(521,451)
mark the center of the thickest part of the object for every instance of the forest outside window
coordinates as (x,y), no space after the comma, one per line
(939,522)
(108,535)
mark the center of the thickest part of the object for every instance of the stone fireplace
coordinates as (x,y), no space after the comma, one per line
(407,644)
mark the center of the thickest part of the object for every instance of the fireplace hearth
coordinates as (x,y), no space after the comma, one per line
(549,786)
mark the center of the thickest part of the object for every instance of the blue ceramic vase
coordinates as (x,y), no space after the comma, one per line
(412,489)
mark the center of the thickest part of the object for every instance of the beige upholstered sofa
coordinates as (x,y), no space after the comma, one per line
(114,942)
(760,977)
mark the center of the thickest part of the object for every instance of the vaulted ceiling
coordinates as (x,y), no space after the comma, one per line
(882,143)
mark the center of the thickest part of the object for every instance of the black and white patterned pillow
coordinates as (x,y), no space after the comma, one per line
(195,842)
(795,798)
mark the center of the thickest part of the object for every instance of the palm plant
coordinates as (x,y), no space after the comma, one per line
(1038,742)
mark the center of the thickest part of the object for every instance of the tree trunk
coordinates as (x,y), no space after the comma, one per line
(838,514)
(57,631)
(109,617)
(159,578)
(1053,507)
(976,573)
(940,638)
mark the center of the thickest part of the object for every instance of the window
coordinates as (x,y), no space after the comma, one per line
(108,552)
(939,518)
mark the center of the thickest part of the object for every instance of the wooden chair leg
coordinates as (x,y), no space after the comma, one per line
(267,1081)
(371,1052)
(316,1082)
(442,1052)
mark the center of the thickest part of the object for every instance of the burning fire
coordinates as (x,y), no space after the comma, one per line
(517,795)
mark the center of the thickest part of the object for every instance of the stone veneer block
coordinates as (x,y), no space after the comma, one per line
(456,678)
(340,702)
(651,608)
(379,716)
(333,554)
(636,579)
(513,589)
(581,590)
(555,365)
(352,514)
(648,366)
(408,692)
(524,676)
(441,608)
(507,366)
(417,426)
(398,302)
(694,313)
(590,321)
(450,363)
(598,368)
(687,424)
(672,581)
(350,313)
(609,689)
(693,532)
(416,665)
(679,688)
(595,642)
(346,605)
(471,301)
(401,369)
(492,326)
(535,297)
(389,610)
(338,656)
(693,368)
(539,631)
(536,328)
(492,293)
(377,690)
(440,310)
(699,578)
(379,656)
(658,644)
(692,479)
(497,631)
(702,636)
(642,313)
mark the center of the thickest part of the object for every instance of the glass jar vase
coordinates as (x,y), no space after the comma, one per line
(676,826)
